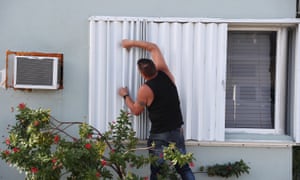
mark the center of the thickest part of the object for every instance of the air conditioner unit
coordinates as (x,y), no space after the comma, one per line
(36,72)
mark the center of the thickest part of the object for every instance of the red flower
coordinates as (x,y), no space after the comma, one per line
(7,141)
(192,164)
(34,170)
(36,123)
(146,178)
(89,136)
(88,146)
(98,174)
(6,152)
(161,155)
(54,160)
(15,150)
(103,162)
(112,151)
(56,139)
(22,106)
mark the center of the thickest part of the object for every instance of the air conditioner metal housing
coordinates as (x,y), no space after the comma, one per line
(36,72)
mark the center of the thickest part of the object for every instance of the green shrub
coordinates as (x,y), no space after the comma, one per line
(42,147)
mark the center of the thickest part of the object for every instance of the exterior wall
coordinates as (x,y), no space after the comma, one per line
(62,27)
(265,162)
(268,162)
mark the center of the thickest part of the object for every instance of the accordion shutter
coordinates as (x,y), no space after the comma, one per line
(195,53)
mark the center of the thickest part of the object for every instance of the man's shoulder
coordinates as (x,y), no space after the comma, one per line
(145,88)
(146,92)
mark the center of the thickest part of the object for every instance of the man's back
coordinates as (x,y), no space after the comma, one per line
(164,111)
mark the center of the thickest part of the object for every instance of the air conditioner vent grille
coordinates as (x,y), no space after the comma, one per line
(34,72)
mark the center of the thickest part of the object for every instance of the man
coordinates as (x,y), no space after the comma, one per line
(159,95)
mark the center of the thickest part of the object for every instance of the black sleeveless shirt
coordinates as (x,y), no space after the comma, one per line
(164,111)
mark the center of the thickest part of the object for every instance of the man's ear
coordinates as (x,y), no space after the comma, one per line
(143,75)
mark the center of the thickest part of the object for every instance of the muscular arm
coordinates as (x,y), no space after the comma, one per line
(155,52)
(136,107)
(145,94)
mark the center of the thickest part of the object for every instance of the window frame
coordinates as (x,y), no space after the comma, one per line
(280,88)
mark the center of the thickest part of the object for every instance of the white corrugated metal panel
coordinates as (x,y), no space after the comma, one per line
(110,67)
(296,90)
(281,72)
(195,53)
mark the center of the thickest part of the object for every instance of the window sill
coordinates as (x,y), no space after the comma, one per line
(258,140)
(254,144)
(255,137)
(237,143)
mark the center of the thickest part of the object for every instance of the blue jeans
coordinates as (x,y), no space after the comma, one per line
(162,140)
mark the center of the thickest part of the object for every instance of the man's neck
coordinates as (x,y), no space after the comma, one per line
(152,77)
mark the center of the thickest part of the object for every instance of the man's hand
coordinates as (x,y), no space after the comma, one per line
(123,91)
(126,43)
(156,54)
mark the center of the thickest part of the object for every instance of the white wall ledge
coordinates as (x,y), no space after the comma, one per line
(241,144)
(192,143)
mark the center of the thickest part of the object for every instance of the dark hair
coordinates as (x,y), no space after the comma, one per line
(147,67)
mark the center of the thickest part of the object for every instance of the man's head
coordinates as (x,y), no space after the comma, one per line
(146,67)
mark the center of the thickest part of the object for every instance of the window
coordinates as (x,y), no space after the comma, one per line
(256,80)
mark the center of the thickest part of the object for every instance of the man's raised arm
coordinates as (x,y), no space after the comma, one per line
(155,52)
